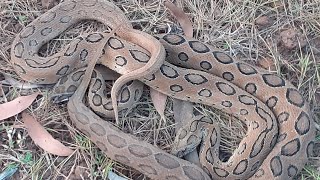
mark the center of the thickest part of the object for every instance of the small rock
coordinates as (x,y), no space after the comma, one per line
(291,39)
(263,21)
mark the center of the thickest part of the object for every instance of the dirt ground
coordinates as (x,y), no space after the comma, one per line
(278,35)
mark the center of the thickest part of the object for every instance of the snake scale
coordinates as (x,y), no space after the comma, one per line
(280,127)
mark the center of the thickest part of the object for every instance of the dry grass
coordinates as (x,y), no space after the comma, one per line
(230,25)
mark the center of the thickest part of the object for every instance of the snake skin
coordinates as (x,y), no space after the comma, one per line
(280,127)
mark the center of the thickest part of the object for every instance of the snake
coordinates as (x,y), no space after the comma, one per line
(280,126)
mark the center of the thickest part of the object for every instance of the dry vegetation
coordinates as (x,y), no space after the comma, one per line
(282,36)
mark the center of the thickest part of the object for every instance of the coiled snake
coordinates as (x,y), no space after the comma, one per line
(280,127)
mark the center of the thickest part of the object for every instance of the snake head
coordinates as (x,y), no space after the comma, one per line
(192,135)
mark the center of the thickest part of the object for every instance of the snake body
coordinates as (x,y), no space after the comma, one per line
(280,127)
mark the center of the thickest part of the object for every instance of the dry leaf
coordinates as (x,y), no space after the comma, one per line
(159,101)
(181,17)
(16,106)
(42,138)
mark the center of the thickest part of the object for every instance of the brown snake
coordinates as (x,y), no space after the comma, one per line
(280,128)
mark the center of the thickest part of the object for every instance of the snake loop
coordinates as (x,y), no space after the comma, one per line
(280,127)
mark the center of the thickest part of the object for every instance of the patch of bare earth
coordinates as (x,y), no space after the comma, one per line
(282,36)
